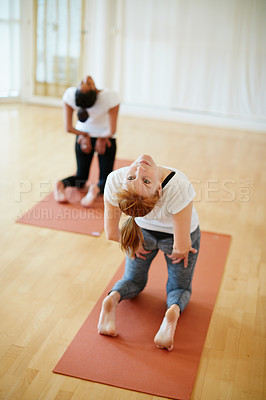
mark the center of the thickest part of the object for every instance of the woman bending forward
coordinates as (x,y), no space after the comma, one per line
(159,203)
(95,131)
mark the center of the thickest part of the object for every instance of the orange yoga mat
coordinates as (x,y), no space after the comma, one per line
(71,217)
(131,360)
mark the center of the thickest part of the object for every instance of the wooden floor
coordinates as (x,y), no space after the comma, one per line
(50,280)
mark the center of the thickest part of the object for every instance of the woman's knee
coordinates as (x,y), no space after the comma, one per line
(139,282)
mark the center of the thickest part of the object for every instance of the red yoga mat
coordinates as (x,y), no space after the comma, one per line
(71,216)
(131,360)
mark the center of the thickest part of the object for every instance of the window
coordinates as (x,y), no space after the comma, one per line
(10,65)
(58,45)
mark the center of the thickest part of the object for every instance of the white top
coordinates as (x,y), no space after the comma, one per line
(176,195)
(97,125)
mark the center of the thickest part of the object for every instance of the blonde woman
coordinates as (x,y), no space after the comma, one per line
(159,203)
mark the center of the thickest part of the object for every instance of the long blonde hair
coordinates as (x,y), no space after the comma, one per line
(134,205)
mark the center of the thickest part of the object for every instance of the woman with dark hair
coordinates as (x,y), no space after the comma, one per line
(97,112)
(159,203)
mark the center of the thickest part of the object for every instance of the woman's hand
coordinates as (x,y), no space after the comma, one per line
(178,256)
(141,252)
(101,145)
(85,143)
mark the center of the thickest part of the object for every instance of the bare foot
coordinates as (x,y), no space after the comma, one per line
(106,325)
(164,338)
(59,192)
(88,200)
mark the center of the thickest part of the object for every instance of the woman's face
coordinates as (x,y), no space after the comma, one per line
(143,174)
(87,84)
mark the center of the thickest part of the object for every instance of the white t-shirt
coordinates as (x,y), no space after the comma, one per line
(176,195)
(97,125)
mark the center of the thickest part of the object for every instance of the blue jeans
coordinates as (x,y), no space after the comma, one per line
(179,278)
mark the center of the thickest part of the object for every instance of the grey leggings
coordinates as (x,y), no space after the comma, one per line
(179,278)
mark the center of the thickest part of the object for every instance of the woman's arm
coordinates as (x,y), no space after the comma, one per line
(182,241)
(113,114)
(83,137)
(104,142)
(112,217)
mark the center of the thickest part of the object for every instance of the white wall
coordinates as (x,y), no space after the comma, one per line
(195,61)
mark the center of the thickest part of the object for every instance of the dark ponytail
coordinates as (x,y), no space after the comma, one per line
(84,100)
(83,115)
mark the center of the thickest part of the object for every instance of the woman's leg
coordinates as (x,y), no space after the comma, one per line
(135,276)
(106,164)
(180,278)
(83,167)
(132,283)
(178,291)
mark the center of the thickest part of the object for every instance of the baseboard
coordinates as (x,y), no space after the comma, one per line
(181,116)
(196,118)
